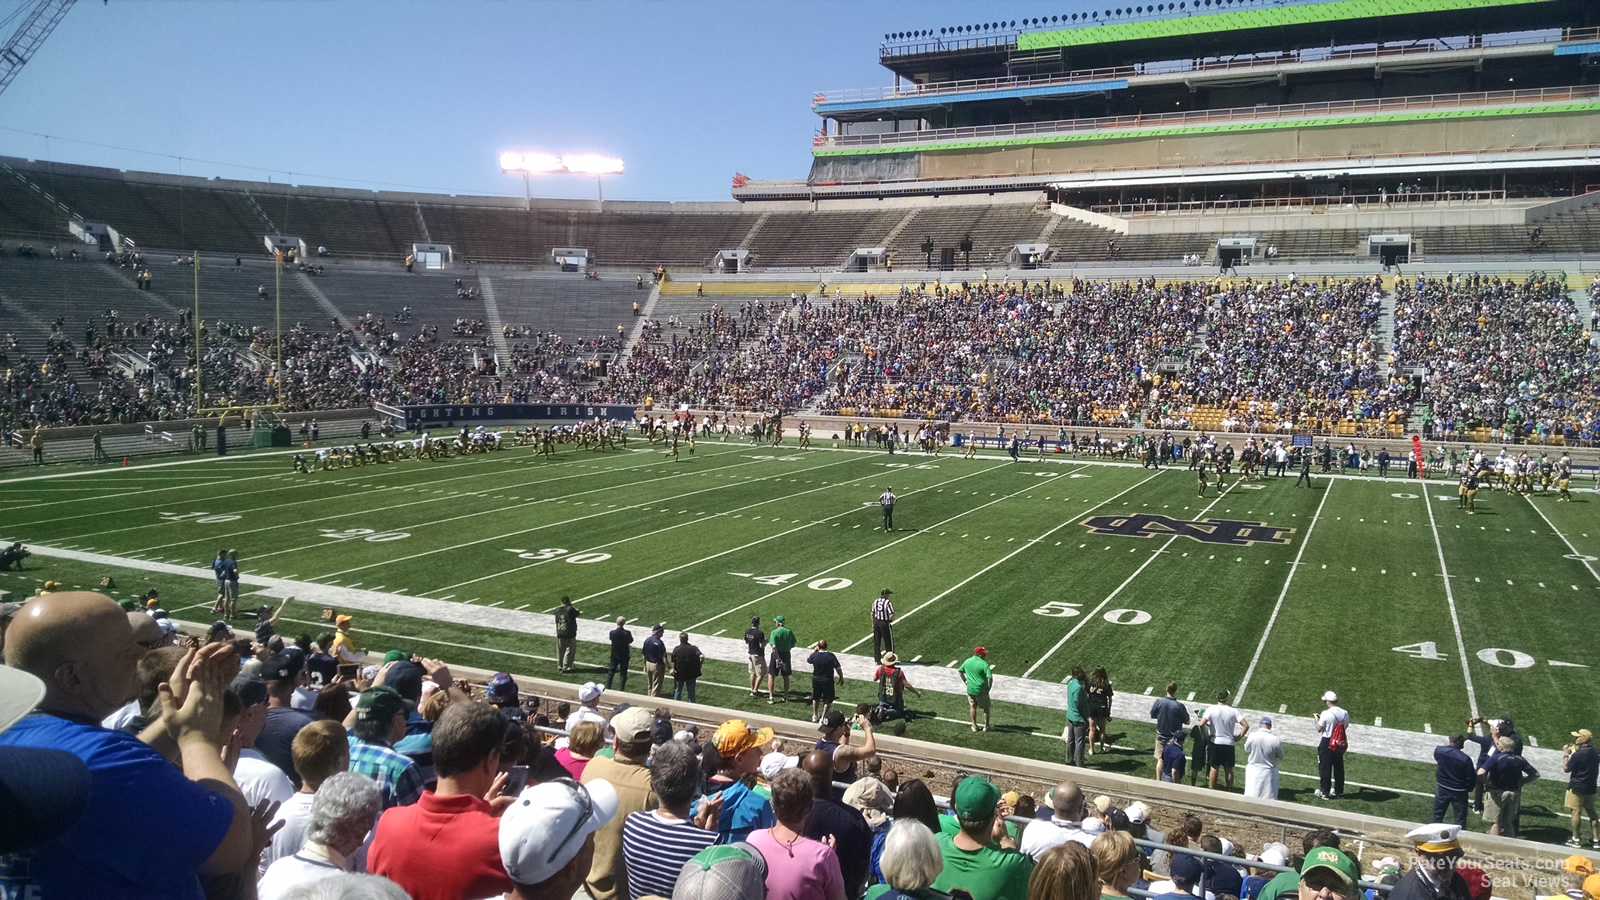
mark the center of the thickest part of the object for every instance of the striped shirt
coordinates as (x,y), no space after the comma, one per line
(654,849)
(882,610)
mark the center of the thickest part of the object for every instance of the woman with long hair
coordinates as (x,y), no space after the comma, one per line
(1099,708)
(914,801)
(1066,872)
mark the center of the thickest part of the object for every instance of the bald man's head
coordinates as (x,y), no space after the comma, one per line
(819,766)
(1067,800)
(81,645)
(146,632)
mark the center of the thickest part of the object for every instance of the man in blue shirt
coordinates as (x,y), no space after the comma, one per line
(654,653)
(1171,719)
(1456,777)
(81,646)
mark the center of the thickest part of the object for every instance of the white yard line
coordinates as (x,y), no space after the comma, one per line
(696,520)
(1238,696)
(1576,554)
(605,512)
(878,549)
(963,583)
(848,512)
(345,498)
(1154,555)
(1450,599)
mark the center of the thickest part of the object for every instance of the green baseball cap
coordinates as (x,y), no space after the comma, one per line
(778,619)
(975,799)
(395,656)
(1335,860)
(381,702)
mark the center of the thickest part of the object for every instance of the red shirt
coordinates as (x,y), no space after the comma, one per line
(440,848)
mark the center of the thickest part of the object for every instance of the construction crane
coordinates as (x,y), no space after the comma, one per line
(20,46)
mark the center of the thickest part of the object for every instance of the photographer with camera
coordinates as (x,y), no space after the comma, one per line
(13,556)
(1582,764)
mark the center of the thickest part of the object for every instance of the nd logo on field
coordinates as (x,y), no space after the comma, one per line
(1227,532)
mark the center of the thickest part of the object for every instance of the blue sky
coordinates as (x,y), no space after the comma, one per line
(405,94)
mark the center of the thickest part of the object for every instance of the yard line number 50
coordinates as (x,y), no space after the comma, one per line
(1061,609)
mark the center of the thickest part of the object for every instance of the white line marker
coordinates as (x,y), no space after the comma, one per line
(1261,646)
(1455,618)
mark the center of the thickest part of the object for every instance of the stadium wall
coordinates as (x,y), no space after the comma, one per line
(1327,139)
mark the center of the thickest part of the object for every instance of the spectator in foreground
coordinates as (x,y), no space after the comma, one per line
(981,858)
(629,781)
(656,844)
(456,820)
(282,675)
(321,751)
(1065,873)
(841,826)
(723,872)
(81,646)
(1286,883)
(1327,874)
(910,863)
(341,815)
(547,839)
(798,868)
(584,740)
(1434,877)
(1116,863)
(914,801)
(1066,823)
(379,721)
(257,778)
(872,799)
(744,810)
(350,886)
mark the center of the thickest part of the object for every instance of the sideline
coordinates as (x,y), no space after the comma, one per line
(1366,740)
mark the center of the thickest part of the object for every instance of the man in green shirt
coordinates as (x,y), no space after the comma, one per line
(979,678)
(1287,884)
(1077,722)
(566,634)
(782,641)
(981,858)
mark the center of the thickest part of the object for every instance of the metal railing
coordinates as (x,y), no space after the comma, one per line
(1201,207)
(1183,67)
(1235,114)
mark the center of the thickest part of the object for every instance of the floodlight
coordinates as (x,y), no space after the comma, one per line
(592,164)
(529,162)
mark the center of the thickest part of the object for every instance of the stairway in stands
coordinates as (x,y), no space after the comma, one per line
(491,317)
(1386,335)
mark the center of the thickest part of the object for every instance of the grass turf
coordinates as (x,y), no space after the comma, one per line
(984,551)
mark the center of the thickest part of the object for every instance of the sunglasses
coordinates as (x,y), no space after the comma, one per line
(586,812)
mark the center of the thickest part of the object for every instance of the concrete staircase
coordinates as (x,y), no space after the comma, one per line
(1386,335)
(491,317)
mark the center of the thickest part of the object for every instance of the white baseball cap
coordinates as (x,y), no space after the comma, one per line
(1275,854)
(1137,812)
(776,762)
(546,827)
(1330,696)
(590,692)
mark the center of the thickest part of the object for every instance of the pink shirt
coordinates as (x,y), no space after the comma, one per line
(804,870)
(572,764)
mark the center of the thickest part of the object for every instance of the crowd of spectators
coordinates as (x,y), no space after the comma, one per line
(1278,355)
(1512,357)
(265,768)
(1303,352)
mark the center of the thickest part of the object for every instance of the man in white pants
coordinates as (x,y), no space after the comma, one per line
(1265,752)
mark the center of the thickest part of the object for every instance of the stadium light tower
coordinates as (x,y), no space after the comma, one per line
(536,163)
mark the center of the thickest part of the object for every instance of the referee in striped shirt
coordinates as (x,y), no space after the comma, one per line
(882,625)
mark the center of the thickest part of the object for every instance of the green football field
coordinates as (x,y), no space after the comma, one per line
(1417,614)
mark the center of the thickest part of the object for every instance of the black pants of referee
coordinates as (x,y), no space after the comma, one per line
(882,639)
(888,518)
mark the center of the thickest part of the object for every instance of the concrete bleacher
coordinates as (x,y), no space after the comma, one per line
(820,239)
(567,304)
(993,229)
